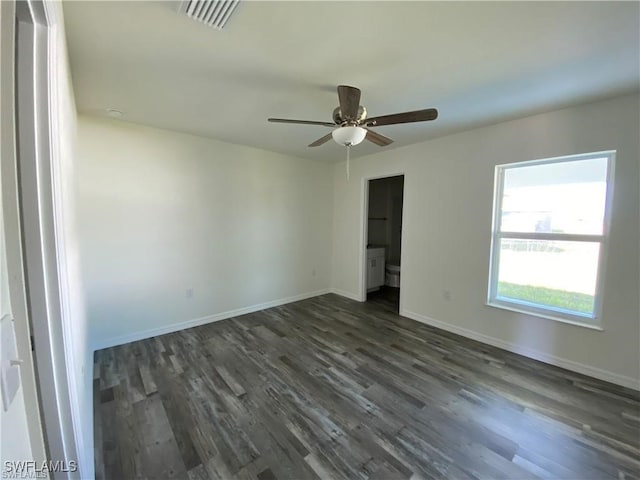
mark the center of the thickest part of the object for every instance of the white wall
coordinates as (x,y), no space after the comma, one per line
(447,231)
(164,212)
(79,354)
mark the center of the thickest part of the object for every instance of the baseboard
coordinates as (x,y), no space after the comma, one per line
(344,293)
(175,327)
(598,373)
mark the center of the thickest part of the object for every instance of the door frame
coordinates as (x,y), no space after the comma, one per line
(364,229)
(37,158)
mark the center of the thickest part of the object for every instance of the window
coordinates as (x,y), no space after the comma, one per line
(549,236)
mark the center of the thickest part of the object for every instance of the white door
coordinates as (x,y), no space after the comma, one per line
(21,428)
(16,444)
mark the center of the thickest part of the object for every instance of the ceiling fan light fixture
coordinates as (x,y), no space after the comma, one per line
(349,136)
(350,117)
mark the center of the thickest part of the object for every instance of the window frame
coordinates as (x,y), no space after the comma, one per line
(551,313)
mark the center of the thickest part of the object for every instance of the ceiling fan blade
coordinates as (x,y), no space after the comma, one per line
(375,137)
(301,122)
(320,141)
(349,101)
(406,117)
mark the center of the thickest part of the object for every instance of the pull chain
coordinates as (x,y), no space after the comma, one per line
(348,156)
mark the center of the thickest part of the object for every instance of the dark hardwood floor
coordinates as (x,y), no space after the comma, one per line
(387,298)
(332,388)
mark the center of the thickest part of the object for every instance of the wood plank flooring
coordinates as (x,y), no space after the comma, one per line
(332,388)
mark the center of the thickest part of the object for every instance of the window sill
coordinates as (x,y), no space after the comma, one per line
(546,316)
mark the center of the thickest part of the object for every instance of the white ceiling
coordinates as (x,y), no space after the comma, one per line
(478,63)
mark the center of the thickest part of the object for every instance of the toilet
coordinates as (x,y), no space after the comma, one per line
(392,274)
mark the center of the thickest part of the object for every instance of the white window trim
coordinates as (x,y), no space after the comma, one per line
(550,313)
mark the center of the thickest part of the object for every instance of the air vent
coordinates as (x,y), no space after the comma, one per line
(214,13)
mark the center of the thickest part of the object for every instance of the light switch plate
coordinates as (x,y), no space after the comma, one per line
(10,373)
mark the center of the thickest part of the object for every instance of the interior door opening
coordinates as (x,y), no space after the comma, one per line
(384,240)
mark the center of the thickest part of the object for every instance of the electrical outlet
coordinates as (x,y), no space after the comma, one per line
(188,293)
(446,294)
(313,272)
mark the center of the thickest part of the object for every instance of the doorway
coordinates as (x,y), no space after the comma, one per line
(383,230)
(37,291)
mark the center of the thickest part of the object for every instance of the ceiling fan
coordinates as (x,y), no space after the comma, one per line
(352,123)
